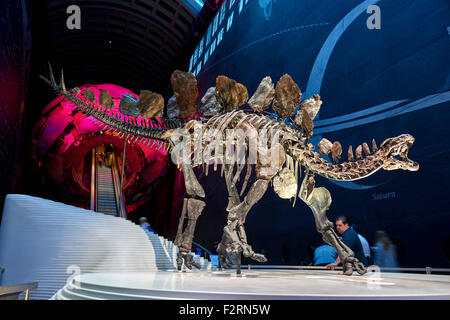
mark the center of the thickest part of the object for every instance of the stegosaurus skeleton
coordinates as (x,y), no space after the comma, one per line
(292,148)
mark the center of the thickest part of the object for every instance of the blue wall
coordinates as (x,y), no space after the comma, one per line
(374,84)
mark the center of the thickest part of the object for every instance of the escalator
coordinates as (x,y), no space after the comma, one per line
(106,191)
(106,199)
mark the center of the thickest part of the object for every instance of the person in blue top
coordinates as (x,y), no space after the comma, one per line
(143,222)
(385,251)
(351,240)
(324,255)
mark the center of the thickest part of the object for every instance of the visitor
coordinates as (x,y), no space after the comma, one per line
(199,252)
(214,256)
(324,255)
(100,159)
(350,239)
(143,222)
(101,155)
(365,246)
(385,252)
(109,156)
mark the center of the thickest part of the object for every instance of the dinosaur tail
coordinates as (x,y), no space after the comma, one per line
(144,130)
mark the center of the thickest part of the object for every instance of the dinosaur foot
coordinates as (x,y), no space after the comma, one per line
(259,257)
(353,264)
(179,261)
(248,252)
(188,260)
(225,261)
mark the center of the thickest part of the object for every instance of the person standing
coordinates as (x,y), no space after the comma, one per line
(365,245)
(143,222)
(385,251)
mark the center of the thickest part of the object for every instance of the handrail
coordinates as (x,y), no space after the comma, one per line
(202,247)
(120,198)
(93,204)
(15,290)
(427,270)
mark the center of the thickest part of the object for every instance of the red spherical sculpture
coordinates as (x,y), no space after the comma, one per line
(62,143)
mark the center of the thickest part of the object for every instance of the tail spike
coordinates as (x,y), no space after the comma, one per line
(358,152)
(63,85)
(374,146)
(52,76)
(366,149)
(350,153)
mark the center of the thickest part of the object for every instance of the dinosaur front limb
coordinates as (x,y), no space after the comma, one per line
(184,238)
(193,187)
(319,200)
(181,156)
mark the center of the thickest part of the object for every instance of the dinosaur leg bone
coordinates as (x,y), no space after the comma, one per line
(193,187)
(184,238)
(319,200)
(234,238)
(233,195)
(181,155)
(229,245)
(240,211)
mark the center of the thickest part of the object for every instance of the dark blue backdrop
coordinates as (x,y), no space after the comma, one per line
(374,84)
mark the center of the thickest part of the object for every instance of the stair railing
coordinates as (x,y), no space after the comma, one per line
(93,204)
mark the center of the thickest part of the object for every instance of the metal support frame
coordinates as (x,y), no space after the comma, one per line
(123,170)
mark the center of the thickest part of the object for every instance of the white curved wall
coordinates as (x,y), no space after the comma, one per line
(40,239)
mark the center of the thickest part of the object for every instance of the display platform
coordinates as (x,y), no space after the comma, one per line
(255,285)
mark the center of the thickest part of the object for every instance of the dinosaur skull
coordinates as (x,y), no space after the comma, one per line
(396,153)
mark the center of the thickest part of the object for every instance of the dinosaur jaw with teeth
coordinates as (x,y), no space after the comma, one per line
(396,151)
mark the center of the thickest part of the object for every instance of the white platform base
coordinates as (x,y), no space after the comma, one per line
(255,285)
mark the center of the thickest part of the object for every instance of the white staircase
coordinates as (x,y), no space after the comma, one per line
(49,242)
(170,250)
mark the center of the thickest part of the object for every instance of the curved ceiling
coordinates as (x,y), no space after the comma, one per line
(134,43)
